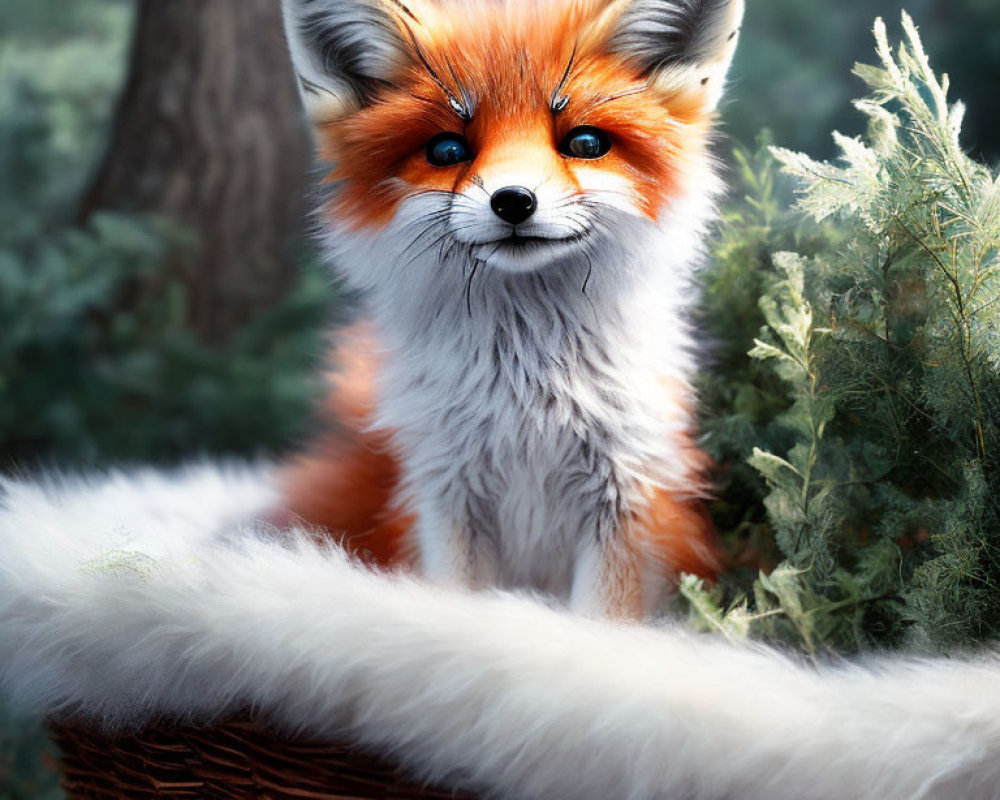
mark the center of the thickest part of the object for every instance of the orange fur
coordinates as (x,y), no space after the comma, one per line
(678,532)
(347,483)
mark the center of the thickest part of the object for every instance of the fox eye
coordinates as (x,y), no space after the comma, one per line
(585,141)
(448,149)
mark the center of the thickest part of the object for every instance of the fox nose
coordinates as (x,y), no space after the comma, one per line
(514,204)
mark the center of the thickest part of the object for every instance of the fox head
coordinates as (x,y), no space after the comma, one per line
(517,134)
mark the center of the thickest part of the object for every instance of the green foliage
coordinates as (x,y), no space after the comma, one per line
(881,498)
(96,364)
(742,398)
(58,76)
(123,377)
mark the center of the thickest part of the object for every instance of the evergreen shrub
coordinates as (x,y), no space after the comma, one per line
(859,443)
(98,365)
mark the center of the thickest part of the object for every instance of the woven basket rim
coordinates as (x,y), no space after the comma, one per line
(242,757)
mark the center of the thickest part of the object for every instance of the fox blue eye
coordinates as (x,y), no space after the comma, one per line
(448,149)
(586,141)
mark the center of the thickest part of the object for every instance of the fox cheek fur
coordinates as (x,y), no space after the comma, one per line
(520,188)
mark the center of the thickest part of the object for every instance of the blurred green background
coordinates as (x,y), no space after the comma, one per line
(104,355)
(99,360)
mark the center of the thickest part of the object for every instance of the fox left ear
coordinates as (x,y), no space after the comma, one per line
(681,45)
(343,50)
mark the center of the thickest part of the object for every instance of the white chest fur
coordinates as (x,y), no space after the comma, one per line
(528,409)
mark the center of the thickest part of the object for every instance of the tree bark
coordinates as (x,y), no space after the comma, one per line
(209,133)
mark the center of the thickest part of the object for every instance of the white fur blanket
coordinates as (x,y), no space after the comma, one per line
(128,599)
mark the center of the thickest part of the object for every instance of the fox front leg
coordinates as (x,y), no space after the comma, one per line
(607,581)
(449,550)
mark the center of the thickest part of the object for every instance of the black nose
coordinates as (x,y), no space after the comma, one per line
(514,204)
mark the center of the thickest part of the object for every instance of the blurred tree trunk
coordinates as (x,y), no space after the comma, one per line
(208,132)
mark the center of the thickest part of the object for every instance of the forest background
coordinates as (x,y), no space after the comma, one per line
(134,327)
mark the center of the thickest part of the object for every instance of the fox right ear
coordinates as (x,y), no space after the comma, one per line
(343,50)
(680,45)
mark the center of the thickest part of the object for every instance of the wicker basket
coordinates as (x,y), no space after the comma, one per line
(237,760)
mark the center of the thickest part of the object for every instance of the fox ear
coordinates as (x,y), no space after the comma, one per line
(343,50)
(682,45)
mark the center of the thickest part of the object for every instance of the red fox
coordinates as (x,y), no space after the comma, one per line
(520,190)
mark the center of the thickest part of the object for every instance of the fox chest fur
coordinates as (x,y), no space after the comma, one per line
(520,421)
(532,414)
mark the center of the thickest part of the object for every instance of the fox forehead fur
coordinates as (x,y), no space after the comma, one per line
(533,374)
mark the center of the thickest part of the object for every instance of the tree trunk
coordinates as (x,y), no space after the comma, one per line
(209,133)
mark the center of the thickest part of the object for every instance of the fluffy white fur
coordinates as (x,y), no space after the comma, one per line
(127,599)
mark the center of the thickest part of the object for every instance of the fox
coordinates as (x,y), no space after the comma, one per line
(520,191)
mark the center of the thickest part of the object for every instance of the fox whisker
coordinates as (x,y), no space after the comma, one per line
(468,286)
